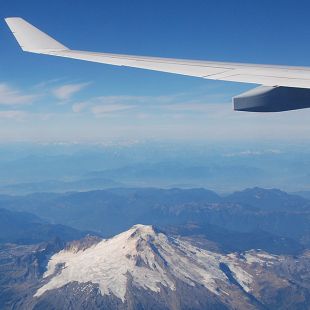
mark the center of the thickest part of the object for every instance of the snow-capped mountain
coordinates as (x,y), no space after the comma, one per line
(143,268)
(151,259)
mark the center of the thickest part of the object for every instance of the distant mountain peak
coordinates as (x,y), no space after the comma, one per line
(269,199)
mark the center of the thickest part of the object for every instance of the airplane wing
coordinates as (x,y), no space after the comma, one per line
(284,87)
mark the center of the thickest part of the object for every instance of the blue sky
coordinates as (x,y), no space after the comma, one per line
(52,99)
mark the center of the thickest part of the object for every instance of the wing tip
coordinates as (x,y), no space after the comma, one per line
(10,21)
(30,38)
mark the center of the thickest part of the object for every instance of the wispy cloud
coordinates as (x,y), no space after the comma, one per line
(174,104)
(249,153)
(191,107)
(65,92)
(20,115)
(12,96)
(79,107)
(100,110)
(48,84)
(121,99)
(13,114)
(107,104)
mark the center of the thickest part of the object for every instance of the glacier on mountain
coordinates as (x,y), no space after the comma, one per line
(150,259)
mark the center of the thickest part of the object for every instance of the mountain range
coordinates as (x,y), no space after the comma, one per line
(28,168)
(268,218)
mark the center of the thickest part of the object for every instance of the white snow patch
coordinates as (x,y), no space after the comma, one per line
(242,277)
(260,258)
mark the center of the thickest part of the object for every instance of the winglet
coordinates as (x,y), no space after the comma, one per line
(31,39)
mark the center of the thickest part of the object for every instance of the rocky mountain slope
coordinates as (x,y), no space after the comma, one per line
(26,228)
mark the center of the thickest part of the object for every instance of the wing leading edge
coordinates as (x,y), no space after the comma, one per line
(34,40)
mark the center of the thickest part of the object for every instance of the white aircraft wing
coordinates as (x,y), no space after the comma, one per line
(34,40)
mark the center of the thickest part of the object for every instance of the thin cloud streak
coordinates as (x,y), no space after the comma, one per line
(100,110)
(13,114)
(79,107)
(19,115)
(194,107)
(184,102)
(66,92)
(11,96)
